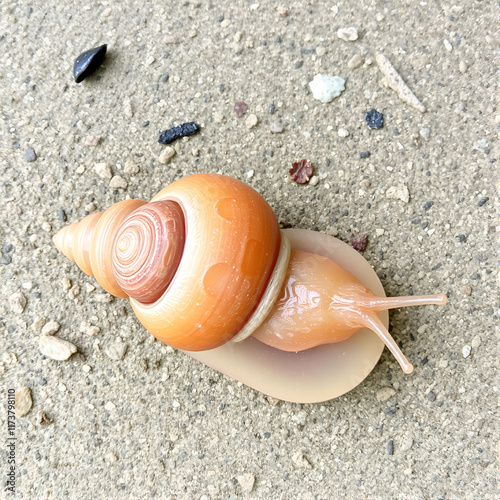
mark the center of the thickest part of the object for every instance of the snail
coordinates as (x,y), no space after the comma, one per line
(208,271)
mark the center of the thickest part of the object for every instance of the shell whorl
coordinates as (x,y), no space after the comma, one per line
(195,262)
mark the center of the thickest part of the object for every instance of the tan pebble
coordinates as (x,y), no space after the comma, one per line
(226,23)
(130,168)
(42,418)
(282,11)
(103,170)
(89,329)
(237,36)
(89,288)
(103,298)
(476,342)
(90,207)
(466,289)
(365,184)
(38,323)
(17,302)
(56,348)
(116,351)
(251,121)
(74,292)
(9,358)
(246,482)
(50,328)
(80,169)
(118,182)
(355,62)
(166,155)
(385,393)
(379,232)
(46,226)
(398,193)
(23,401)
(66,284)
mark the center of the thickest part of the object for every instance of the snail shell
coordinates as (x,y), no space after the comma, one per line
(205,263)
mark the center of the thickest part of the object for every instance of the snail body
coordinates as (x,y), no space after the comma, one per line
(208,271)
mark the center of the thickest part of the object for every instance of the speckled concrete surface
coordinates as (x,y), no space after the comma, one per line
(157,424)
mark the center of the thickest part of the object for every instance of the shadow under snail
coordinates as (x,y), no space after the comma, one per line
(208,271)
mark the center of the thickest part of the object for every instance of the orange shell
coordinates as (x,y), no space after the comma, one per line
(232,243)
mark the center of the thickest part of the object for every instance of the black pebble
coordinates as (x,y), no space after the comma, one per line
(374,119)
(170,135)
(62,215)
(87,62)
(482,201)
(461,238)
(364,154)
(390,447)
(428,205)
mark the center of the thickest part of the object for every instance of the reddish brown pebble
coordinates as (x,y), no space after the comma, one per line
(359,243)
(301,171)
(240,108)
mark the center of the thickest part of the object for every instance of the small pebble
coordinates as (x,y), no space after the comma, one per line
(17,302)
(164,78)
(348,34)
(103,170)
(482,201)
(364,154)
(23,402)
(30,155)
(92,140)
(89,329)
(240,108)
(355,62)
(166,155)
(272,109)
(62,215)
(130,168)
(251,121)
(463,67)
(300,460)
(466,350)
(476,342)
(428,205)
(425,132)
(282,11)
(87,62)
(66,283)
(313,181)
(38,323)
(390,447)
(385,393)
(431,396)
(174,133)
(276,128)
(398,193)
(43,419)
(374,119)
(461,238)
(299,64)
(343,132)
(365,184)
(406,444)
(447,45)
(466,290)
(325,88)
(56,348)
(118,182)
(359,243)
(116,351)
(50,328)
(320,51)
(246,482)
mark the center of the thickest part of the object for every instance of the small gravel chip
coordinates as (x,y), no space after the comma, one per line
(282,11)
(425,132)
(17,302)
(390,447)
(320,51)
(251,121)
(92,140)
(348,34)
(43,419)
(118,182)
(359,243)
(166,155)
(431,396)
(325,88)
(272,108)
(276,127)
(164,78)
(299,64)
(89,329)
(50,328)
(56,348)
(116,351)
(355,62)
(482,201)
(301,171)
(103,170)
(447,45)
(174,133)
(343,132)
(461,238)
(246,482)
(130,168)
(374,119)
(240,108)
(300,460)
(23,402)
(466,290)
(428,205)
(398,193)
(314,180)
(103,298)
(87,62)
(364,154)
(476,342)
(463,67)
(466,351)
(385,393)
(30,155)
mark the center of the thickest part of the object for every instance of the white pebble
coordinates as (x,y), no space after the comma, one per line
(118,182)
(246,482)
(166,155)
(343,132)
(348,34)
(448,46)
(56,348)
(476,342)
(17,302)
(276,127)
(320,51)
(103,170)
(89,329)
(313,181)
(385,393)
(251,121)
(425,132)
(66,282)
(50,328)
(466,351)
(130,168)
(462,67)
(398,193)
(379,232)
(326,87)
(250,174)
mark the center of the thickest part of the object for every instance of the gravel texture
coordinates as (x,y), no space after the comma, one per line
(128,417)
